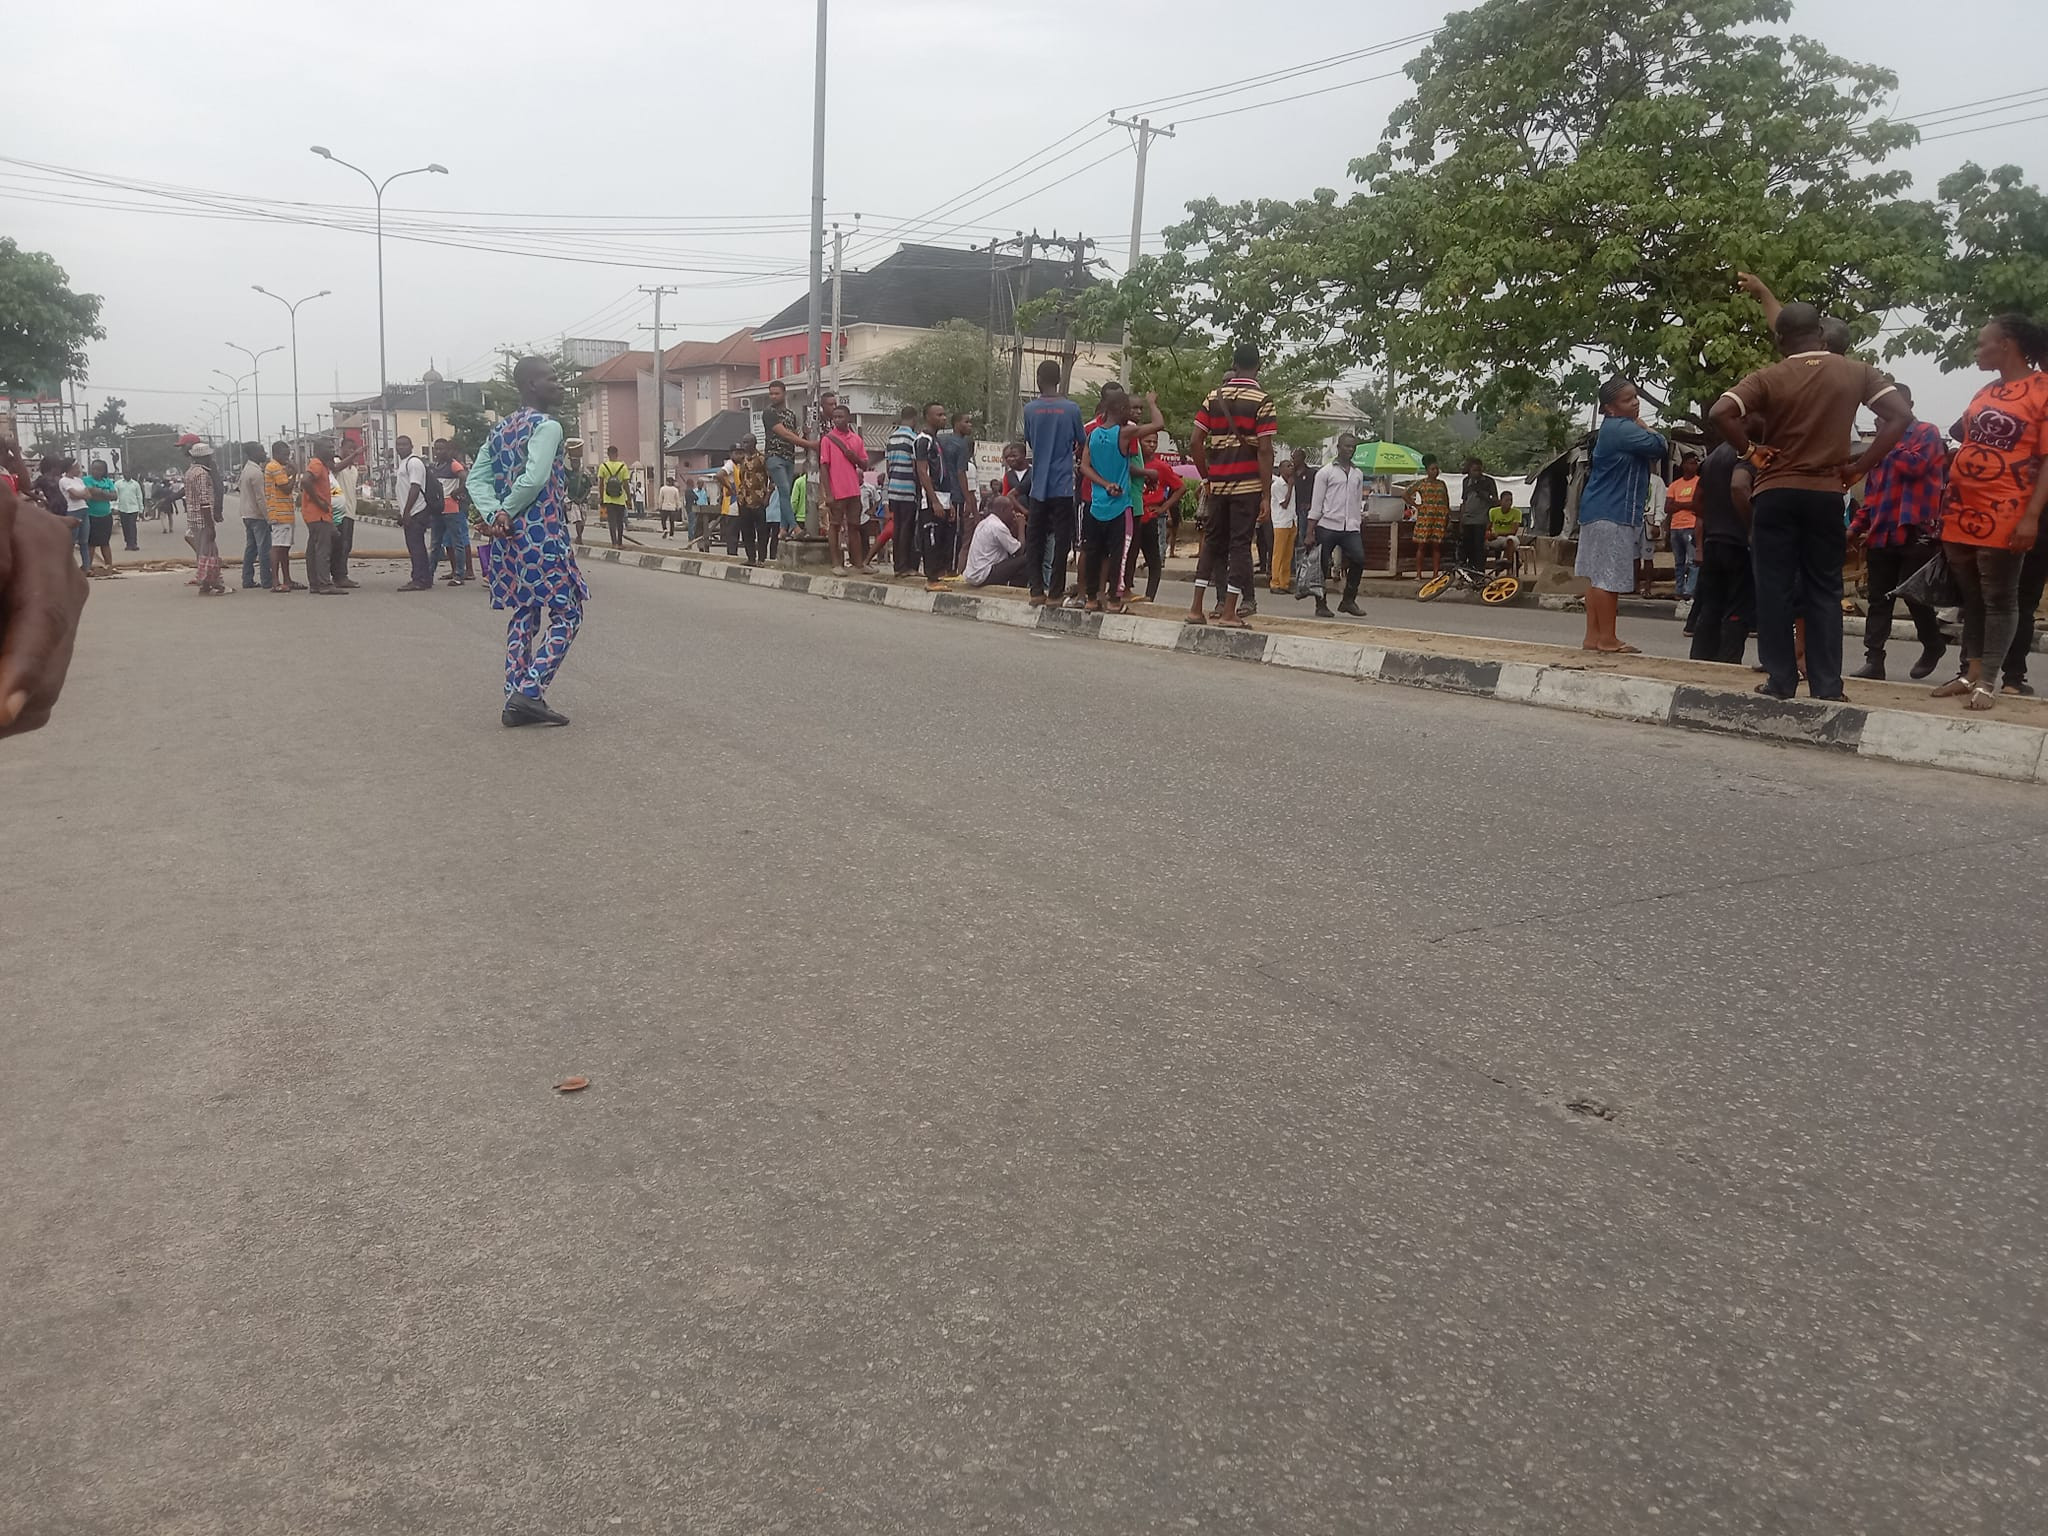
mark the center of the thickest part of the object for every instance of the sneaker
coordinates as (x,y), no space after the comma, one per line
(412,586)
(531,712)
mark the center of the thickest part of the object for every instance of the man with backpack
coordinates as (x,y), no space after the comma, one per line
(414,510)
(615,491)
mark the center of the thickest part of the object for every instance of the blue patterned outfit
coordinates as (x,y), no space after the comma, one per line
(533,572)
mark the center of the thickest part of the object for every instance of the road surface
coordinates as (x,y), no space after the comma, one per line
(1037,1086)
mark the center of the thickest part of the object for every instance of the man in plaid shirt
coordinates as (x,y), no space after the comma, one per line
(1899,526)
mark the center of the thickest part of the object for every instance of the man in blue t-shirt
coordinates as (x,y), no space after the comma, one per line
(1052,429)
(1107,467)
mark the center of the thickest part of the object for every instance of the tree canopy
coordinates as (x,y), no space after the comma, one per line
(44,326)
(950,363)
(1569,191)
(1996,263)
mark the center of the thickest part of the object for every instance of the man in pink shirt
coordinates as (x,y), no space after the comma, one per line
(845,459)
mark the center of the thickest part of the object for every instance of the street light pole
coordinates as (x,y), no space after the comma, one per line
(234,425)
(377,187)
(255,380)
(292,306)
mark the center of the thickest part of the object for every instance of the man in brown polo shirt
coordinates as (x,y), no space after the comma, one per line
(1808,401)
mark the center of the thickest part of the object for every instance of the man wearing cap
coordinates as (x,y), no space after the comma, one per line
(202,511)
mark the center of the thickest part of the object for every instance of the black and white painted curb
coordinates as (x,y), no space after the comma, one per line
(1992,748)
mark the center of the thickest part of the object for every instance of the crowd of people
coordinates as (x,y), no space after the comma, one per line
(1768,512)
(1759,526)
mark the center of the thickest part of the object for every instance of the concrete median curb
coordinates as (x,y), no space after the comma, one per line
(1989,748)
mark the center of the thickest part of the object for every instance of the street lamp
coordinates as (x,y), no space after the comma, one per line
(298,433)
(224,421)
(377,189)
(255,381)
(236,425)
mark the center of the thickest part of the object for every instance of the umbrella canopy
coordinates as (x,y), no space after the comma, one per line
(1387,459)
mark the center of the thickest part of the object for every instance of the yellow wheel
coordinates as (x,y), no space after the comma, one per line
(1502,589)
(1433,588)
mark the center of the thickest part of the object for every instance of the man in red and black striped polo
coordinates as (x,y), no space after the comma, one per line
(1232,447)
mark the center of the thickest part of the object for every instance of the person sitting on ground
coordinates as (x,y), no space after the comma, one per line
(995,555)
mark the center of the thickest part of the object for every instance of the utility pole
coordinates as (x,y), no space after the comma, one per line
(838,261)
(1069,344)
(1029,244)
(660,388)
(817,216)
(1144,132)
(1076,248)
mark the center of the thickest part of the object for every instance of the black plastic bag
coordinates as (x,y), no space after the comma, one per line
(1933,584)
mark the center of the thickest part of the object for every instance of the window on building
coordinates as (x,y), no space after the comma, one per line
(703,386)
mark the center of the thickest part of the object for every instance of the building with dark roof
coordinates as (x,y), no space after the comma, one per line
(913,291)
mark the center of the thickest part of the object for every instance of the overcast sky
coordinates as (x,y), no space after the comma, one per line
(665,112)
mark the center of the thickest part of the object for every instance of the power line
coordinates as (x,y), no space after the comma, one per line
(1292,96)
(1952,117)
(1029,165)
(1978,102)
(1159,104)
(1981,127)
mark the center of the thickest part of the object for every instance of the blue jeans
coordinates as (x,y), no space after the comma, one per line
(1685,571)
(82,537)
(450,531)
(255,552)
(781,475)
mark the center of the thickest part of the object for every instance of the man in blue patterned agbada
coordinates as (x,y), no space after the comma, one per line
(520,489)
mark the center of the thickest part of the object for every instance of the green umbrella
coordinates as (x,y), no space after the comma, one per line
(1387,459)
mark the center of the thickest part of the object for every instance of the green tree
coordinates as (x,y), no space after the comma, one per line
(1609,167)
(1997,263)
(111,417)
(150,447)
(44,326)
(1570,191)
(951,363)
(470,424)
(501,395)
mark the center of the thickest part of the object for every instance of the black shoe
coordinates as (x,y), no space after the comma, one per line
(531,712)
(1930,658)
(2020,686)
(1771,693)
(1323,610)
(1350,606)
(1872,671)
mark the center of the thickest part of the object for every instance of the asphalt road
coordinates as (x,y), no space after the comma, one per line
(1037,1086)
